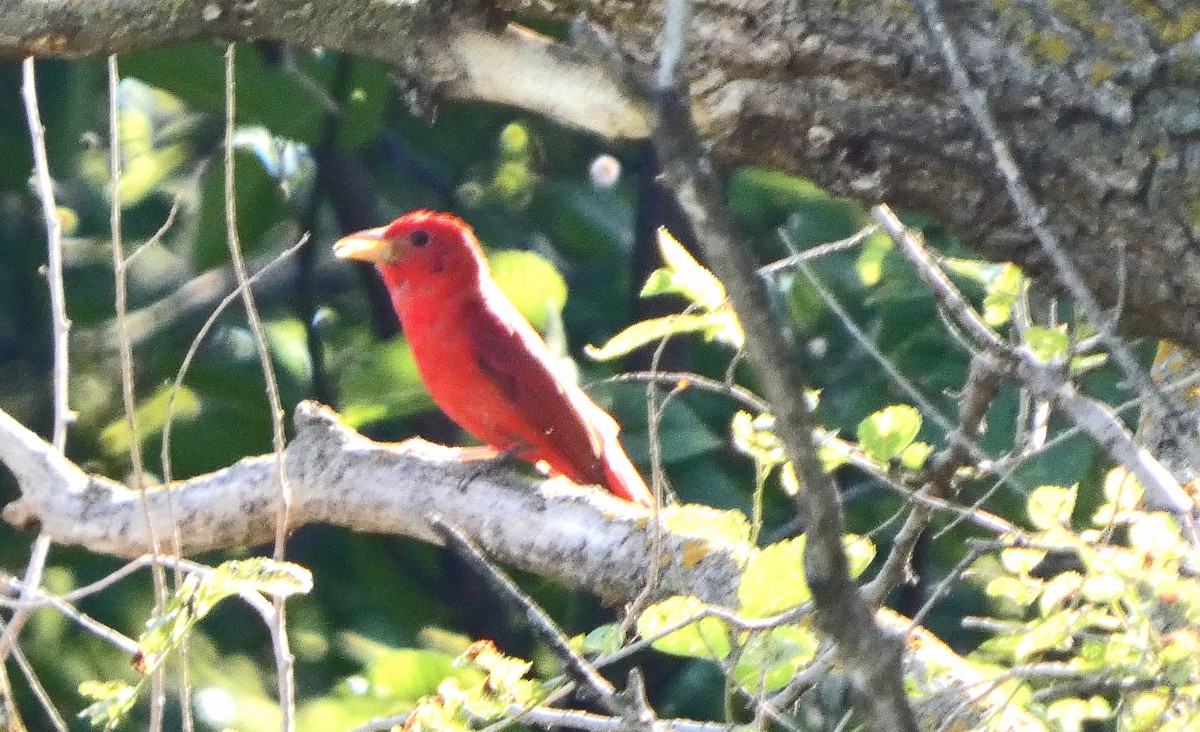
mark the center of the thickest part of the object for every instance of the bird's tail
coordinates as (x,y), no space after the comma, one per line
(621,477)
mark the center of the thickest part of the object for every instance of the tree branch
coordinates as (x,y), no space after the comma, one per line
(584,537)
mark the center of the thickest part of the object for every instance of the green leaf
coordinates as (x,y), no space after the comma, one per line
(705,638)
(834,453)
(1059,590)
(1048,345)
(683,275)
(1021,591)
(1053,632)
(1021,560)
(886,433)
(755,436)
(603,640)
(1001,283)
(648,331)
(860,551)
(1147,711)
(1155,533)
(379,380)
(1050,506)
(288,340)
(769,659)
(261,574)
(267,94)
(112,700)
(1071,714)
(1002,292)
(870,260)
(151,415)
(531,282)
(729,528)
(774,579)
(1103,588)
(914,456)
(362,113)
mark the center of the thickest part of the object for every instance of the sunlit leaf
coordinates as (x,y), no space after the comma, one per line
(1103,588)
(774,579)
(1155,533)
(769,659)
(860,551)
(1048,345)
(1020,591)
(1021,560)
(1059,590)
(112,700)
(531,282)
(684,275)
(870,260)
(705,638)
(648,331)
(716,525)
(1051,506)
(886,433)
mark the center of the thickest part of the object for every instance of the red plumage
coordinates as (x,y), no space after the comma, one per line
(482,361)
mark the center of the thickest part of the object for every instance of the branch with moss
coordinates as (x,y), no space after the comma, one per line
(1092,99)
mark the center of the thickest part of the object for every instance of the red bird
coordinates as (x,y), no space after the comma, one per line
(483,363)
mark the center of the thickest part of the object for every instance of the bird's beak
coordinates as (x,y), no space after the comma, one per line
(366,246)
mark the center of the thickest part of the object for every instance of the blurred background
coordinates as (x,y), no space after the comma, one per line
(326,145)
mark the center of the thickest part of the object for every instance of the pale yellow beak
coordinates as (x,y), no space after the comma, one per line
(366,246)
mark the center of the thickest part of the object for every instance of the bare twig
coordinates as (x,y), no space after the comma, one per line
(283,655)
(739,394)
(39,691)
(541,623)
(816,252)
(158,696)
(588,722)
(44,185)
(1048,381)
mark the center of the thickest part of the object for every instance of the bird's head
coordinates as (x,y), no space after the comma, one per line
(420,248)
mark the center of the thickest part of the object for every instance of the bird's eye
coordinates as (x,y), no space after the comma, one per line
(419,238)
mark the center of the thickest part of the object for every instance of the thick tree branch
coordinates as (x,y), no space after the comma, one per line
(584,538)
(1096,100)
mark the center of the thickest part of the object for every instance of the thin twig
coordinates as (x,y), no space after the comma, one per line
(158,695)
(194,348)
(39,691)
(93,626)
(739,394)
(61,326)
(176,204)
(589,722)
(544,626)
(822,250)
(283,655)
(927,407)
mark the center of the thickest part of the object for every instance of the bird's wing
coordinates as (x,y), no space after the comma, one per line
(557,419)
